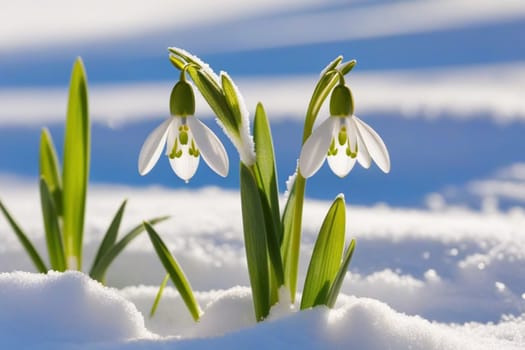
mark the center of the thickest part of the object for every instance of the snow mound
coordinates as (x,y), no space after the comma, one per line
(68,310)
(63,308)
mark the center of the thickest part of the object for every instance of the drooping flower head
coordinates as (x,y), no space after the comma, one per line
(186,139)
(224,99)
(343,139)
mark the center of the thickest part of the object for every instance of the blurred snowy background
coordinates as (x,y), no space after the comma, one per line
(442,81)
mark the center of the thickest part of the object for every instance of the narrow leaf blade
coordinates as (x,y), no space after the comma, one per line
(49,168)
(231,99)
(266,177)
(24,240)
(76,163)
(255,243)
(338,282)
(111,235)
(98,271)
(55,247)
(173,269)
(290,247)
(326,256)
(215,98)
(159,295)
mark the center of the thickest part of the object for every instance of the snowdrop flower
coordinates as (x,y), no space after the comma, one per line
(344,139)
(186,139)
(224,98)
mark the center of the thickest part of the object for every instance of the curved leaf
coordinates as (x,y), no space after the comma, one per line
(326,257)
(110,237)
(98,271)
(173,269)
(338,282)
(26,243)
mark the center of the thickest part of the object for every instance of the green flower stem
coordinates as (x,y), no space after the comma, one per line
(292,232)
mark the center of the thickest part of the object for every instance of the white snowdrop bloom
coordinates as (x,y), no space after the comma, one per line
(186,139)
(344,139)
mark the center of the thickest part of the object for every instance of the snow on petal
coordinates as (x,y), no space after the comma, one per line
(375,145)
(211,148)
(152,147)
(315,148)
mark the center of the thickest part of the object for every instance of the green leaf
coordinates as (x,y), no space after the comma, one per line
(230,94)
(266,177)
(76,163)
(26,243)
(159,295)
(98,271)
(215,98)
(49,168)
(290,247)
(55,247)
(173,269)
(255,243)
(110,237)
(338,282)
(326,257)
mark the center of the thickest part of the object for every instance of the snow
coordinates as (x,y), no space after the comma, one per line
(440,278)
(63,308)
(94,316)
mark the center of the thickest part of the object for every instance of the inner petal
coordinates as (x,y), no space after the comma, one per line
(342,156)
(184,154)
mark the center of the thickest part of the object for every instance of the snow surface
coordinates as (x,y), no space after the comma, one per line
(447,277)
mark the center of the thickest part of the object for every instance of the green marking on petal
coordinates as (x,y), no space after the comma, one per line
(175,151)
(342,136)
(183,137)
(193,150)
(332,151)
(349,151)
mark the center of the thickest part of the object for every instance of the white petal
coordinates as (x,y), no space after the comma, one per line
(173,133)
(363,156)
(315,148)
(211,148)
(341,163)
(186,165)
(375,145)
(152,147)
